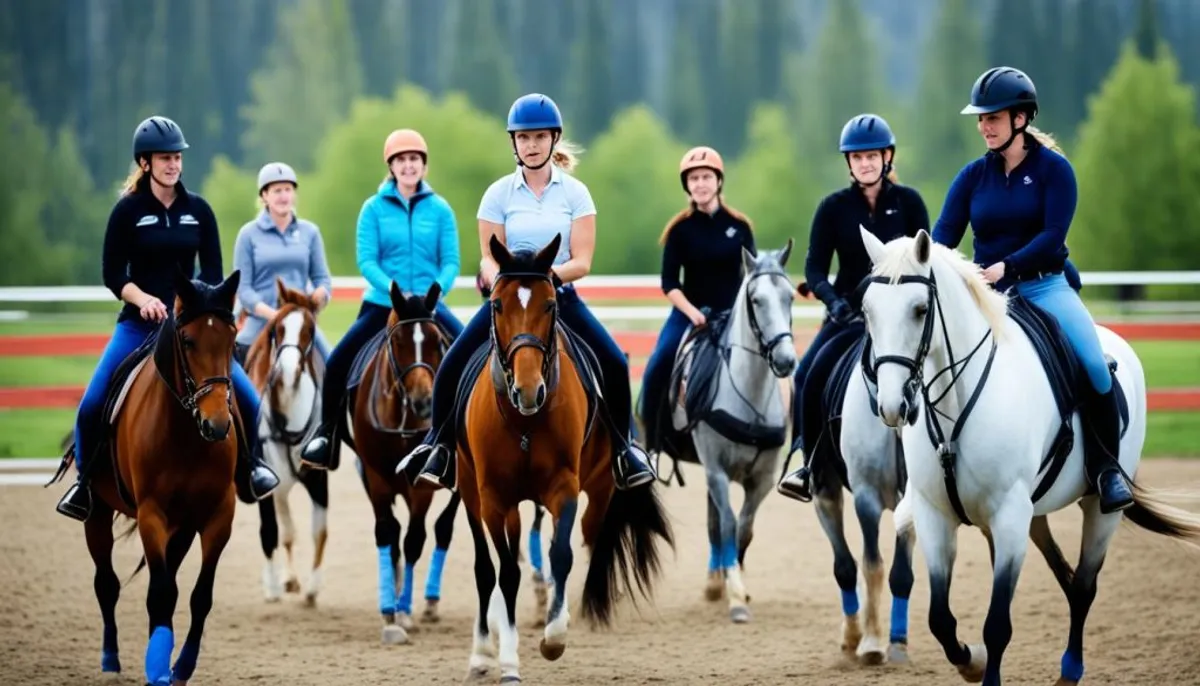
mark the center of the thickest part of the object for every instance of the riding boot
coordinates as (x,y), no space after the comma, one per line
(631,466)
(317,451)
(797,484)
(76,503)
(254,479)
(1102,438)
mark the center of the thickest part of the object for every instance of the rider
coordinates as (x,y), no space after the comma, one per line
(525,210)
(887,209)
(407,234)
(278,244)
(705,240)
(1019,199)
(155,215)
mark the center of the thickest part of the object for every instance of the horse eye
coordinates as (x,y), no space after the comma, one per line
(188,344)
(550,305)
(496,306)
(920,310)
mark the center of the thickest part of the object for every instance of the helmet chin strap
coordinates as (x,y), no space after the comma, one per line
(549,156)
(1012,119)
(887,168)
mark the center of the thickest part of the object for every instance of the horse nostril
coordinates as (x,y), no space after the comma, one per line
(904,409)
(541,394)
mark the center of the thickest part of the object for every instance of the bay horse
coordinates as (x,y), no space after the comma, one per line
(284,368)
(174,448)
(529,435)
(389,415)
(981,440)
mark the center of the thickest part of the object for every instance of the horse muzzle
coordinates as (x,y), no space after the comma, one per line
(214,432)
(528,404)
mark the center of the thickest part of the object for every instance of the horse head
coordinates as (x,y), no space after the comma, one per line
(414,348)
(524,324)
(203,331)
(768,295)
(914,282)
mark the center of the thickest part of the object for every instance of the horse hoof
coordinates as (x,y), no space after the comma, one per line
(292,586)
(972,672)
(405,621)
(510,679)
(898,653)
(310,599)
(177,682)
(551,651)
(739,614)
(394,635)
(430,615)
(1065,682)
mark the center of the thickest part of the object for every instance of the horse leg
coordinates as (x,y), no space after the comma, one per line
(1010,536)
(387,544)
(443,531)
(845,570)
(414,542)
(98,532)
(283,509)
(163,591)
(714,589)
(483,651)
(718,496)
(316,482)
(900,583)
(268,536)
(1098,530)
(541,591)
(213,539)
(564,510)
(1043,538)
(868,506)
(502,608)
(756,489)
(938,537)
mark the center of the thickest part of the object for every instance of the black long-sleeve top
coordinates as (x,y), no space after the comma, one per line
(708,249)
(146,242)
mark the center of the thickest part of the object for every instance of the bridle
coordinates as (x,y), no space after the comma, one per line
(399,374)
(765,346)
(915,388)
(506,353)
(193,392)
(278,425)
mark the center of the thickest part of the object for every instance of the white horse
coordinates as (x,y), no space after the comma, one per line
(757,351)
(929,310)
(872,457)
(282,363)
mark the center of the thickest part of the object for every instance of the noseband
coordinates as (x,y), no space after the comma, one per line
(193,392)
(278,424)
(399,374)
(766,346)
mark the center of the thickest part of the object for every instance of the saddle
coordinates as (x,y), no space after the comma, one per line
(587,368)
(701,365)
(829,444)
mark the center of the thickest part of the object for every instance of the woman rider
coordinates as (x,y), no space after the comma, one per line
(406,234)
(156,228)
(705,240)
(278,244)
(525,210)
(1019,198)
(885,208)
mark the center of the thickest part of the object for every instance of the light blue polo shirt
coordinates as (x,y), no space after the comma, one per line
(531,222)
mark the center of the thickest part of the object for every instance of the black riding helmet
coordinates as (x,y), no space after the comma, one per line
(1004,88)
(157,134)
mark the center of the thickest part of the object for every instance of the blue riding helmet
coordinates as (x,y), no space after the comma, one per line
(1002,88)
(866,132)
(533,112)
(157,134)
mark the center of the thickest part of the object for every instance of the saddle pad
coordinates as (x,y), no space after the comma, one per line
(123,390)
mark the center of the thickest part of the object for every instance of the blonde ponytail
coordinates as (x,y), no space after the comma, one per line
(566,155)
(1045,139)
(130,186)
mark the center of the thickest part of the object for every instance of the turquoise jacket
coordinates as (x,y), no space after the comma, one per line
(413,243)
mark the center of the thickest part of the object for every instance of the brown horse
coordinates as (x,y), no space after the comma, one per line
(391,415)
(529,435)
(287,373)
(175,446)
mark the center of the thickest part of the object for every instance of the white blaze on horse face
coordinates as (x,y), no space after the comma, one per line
(288,357)
(418,339)
(210,321)
(523,294)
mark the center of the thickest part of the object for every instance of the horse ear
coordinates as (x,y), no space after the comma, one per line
(499,252)
(749,262)
(874,246)
(229,287)
(785,253)
(281,290)
(545,257)
(431,298)
(923,246)
(398,301)
(184,288)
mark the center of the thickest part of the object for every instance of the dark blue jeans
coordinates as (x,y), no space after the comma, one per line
(129,335)
(828,330)
(811,403)
(575,314)
(658,372)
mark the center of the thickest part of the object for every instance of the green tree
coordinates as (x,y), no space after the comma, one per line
(1138,169)
(591,88)
(632,171)
(479,64)
(311,76)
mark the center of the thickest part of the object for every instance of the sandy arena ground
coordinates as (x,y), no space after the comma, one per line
(1144,627)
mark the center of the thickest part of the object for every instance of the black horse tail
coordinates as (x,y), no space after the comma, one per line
(626,546)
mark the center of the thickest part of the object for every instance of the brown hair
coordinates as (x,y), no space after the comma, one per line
(690,210)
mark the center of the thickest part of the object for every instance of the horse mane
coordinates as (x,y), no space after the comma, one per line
(900,258)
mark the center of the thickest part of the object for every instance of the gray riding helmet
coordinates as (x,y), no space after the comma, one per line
(274,172)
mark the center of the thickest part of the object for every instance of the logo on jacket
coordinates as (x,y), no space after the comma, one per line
(1027,181)
(731,232)
(148,220)
(188,219)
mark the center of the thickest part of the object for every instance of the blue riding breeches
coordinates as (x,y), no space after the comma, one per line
(829,329)
(128,337)
(657,376)
(1054,295)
